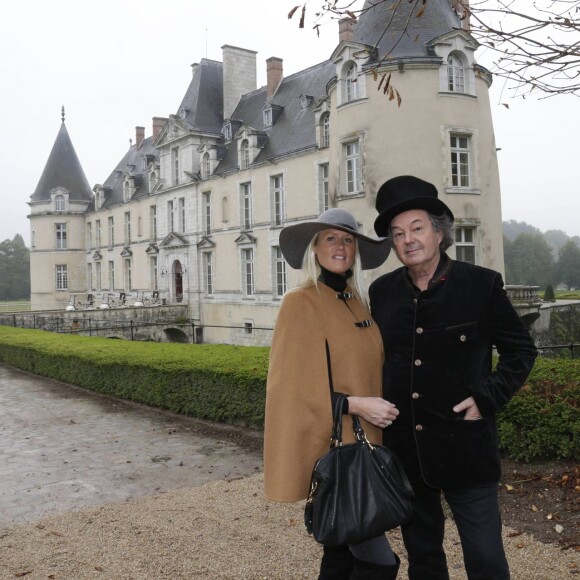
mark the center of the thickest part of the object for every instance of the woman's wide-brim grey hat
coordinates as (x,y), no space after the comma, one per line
(295,239)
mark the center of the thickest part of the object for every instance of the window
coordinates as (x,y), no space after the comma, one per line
(325,130)
(61,240)
(89,235)
(248,271)
(170,216)
(455,74)
(139,226)
(153,222)
(152,181)
(323,186)
(465,244)
(98,276)
(59,203)
(181,214)
(127,228)
(33,238)
(278,199)
(153,273)
(267,117)
(247,206)
(460,153)
(175,165)
(206,212)
(125,191)
(61,278)
(98,233)
(351,84)
(225,211)
(280,280)
(90,285)
(208,272)
(127,271)
(244,154)
(111,275)
(249,327)
(111,228)
(206,166)
(352,167)
(227,132)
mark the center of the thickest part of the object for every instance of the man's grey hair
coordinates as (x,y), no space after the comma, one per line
(445,226)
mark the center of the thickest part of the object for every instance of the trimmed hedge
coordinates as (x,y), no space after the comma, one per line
(543,418)
(227,384)
(215,382)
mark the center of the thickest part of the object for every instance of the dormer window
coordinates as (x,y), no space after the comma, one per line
(306,101)
(244,154)
(59,203)
(152,181)
(325,130)
(455,74)
(206,166)
(227,131)
(267,115)
(352,83)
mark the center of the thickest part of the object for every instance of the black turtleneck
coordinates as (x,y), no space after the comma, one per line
(338,283)
(335,281)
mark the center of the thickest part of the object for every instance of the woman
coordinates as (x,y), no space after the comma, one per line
(325,321)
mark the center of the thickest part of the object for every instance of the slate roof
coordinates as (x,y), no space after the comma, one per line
(294,128)
(203,100)
(132,163)
(63,169)
(438,19)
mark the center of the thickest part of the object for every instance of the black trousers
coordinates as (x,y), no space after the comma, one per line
(478,521)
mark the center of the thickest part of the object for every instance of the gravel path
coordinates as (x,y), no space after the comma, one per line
(220,530)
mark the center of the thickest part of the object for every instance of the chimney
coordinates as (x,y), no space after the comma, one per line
(194,68)
(139,136)
(346,28)
(158,124)
(274,73)
(239,75)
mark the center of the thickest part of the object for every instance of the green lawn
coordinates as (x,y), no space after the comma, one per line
(14,305)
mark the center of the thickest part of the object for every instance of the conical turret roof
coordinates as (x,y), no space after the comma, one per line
(63,169)
(404,32)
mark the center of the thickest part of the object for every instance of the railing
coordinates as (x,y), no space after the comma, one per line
(570,347)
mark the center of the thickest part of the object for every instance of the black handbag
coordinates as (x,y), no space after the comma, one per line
(358,491)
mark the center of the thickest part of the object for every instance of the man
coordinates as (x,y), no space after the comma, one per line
(439,320)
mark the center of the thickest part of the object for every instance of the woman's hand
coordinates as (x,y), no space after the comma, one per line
(375,410)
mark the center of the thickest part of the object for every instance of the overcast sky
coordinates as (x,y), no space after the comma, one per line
(115,64)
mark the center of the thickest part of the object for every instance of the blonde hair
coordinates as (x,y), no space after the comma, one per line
(311,271)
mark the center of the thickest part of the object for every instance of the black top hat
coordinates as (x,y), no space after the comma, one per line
(403,193)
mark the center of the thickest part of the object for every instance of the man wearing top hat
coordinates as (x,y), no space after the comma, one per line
(440,320)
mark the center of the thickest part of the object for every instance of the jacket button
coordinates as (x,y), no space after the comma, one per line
(415,395)
(418,427)
(418,362)
(463,338)
(419,330)
(414,301)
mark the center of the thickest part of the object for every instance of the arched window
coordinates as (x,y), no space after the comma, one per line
(455,74)
(325,130)
(351,83)
(59,203)
(152,181)
(206,166)
(244,154)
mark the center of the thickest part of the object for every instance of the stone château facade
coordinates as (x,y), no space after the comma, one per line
(195,210)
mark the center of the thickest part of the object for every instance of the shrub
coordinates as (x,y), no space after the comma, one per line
(549,294)
(543,418)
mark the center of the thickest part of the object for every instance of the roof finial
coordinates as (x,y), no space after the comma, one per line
(62,114)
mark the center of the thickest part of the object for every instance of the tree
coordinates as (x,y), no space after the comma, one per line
(14,269)
(536,45)
(568,265)
(531,261)
(556,240)
(512,229)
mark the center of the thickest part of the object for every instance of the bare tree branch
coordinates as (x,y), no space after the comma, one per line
(533,44)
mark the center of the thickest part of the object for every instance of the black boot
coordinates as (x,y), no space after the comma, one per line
(370,571)
(337,563)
